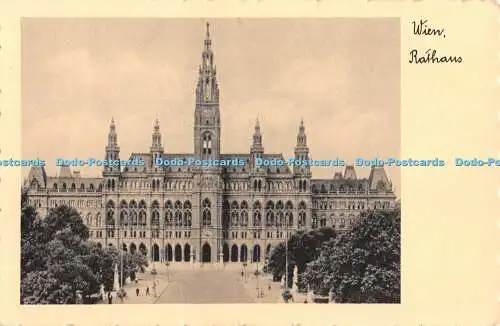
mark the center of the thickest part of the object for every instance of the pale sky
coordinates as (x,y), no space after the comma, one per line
(342,76)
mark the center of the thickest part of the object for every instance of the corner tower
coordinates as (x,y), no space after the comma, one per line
(111,173)
(207,115)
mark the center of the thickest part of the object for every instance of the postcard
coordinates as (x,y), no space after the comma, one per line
(250,163)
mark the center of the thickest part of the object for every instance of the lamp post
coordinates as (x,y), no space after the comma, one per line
(121,257)
(168,273)
(257,275)
(286,256)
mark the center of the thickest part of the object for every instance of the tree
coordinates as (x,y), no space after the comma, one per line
(276,263)
(53,250)
(303,247)
(109,257)
(57,258)
(363,264)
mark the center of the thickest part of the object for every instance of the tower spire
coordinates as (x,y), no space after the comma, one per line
(257,150)
(156,146)
(112,137)
(208,41)
(301,150)
(207,88)
(207,114)
(257,139)
(112,150)
(301,136)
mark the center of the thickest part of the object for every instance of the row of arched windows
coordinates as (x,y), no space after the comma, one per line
(333,220)
(157,185)
(176,214)
(351,205)
(333,188)
(276,214)
(179,214)
(339,204)
(74,187)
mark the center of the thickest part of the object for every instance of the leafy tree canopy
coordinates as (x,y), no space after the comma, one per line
(57,258)
(363,264)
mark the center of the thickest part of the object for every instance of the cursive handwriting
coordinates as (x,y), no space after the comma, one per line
(430,56)
(421,28)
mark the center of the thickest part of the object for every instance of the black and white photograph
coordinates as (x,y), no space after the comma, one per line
(210,161)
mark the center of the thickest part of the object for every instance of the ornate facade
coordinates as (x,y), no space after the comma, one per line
(208,214)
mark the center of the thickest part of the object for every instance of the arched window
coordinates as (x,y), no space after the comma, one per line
(155,214)
(207,216)
(133,213)
(207,144)
(168,213)
(314,222)
(142,213)
(235,214)
(178,214)
(270,213)
(110,213)
(123,213)
(244,213)
(187,214)
(302,214)
(289,213)
(280,216)
(257,215)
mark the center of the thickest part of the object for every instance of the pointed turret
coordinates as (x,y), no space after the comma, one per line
(256,150)
(378,180)
(301,150)
(156,145)
(257,139)
(156,148)
(350,173)
(65,172)
(112,150)
(37,178)
(111,172)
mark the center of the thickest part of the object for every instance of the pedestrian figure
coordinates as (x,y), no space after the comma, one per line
(137,291)
(110,298)
(147,290)
(269,287)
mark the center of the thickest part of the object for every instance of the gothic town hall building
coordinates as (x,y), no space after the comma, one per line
(207,214)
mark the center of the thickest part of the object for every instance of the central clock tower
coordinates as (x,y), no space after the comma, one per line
(207,115)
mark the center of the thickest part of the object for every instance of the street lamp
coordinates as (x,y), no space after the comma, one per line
(286,256)
(120,247)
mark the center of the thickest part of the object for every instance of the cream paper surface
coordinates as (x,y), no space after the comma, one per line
(450,220)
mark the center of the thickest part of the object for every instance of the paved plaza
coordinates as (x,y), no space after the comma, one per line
(208,283)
